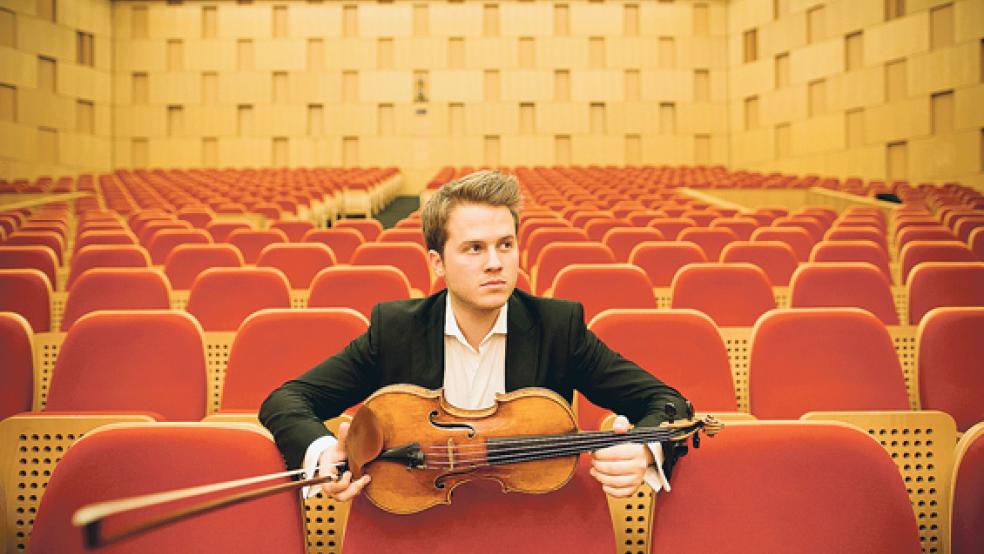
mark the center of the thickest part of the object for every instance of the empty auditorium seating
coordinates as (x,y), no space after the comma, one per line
(557,255)
(131,361)
(966,225)
(106,255)
(151,228)
(661,260)
(163,242)
(603,286)
(369,228)
(49,239)
(541,238)
(527,226)
(923,233)
(733,295)
(797,238)
(221,298)
(403,235)
(711,241)
(671,226)
(251,242)
(186,261)
(852,251)
(936,284)
(573,518)
(274,346)
(680,347)
(299,261)
(623,239)
(294,229)
(976,243)
(844,285)
(104,237)
(409,258)
(27,292)
(966,492)
(342,241)
(133,459)
(868,233)
(220,229)
(36,257)
(357,287)
(829,359)
(950,353)
(116,288)
(199,217)
(808,469)
(775,258)
(741,226)
(17,369)
(809,224)
(920,251)
(596,228)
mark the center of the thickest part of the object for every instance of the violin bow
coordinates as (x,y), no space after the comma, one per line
(90,517)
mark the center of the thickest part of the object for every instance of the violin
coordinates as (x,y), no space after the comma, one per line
(418,448)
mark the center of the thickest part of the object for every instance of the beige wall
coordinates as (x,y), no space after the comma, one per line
(859,95)
(302,83)
(55,99)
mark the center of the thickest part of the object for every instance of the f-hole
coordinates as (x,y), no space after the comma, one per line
(432,417)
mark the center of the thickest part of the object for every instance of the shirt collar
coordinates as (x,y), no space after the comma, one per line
(451,322)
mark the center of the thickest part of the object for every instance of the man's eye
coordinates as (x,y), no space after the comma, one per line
(507,245)
(475,248)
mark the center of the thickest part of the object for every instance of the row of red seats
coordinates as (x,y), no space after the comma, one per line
(844,360)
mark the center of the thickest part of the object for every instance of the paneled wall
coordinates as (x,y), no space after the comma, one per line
(55,87)
(874,88)
(420,84)
(886,88)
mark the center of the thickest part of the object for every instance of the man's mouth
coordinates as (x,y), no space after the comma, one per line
(494,283)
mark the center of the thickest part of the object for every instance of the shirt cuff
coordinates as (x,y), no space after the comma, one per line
(654,476)
(311,457)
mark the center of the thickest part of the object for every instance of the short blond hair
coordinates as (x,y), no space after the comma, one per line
(481,187)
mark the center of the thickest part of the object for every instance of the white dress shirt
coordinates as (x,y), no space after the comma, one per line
(472,378)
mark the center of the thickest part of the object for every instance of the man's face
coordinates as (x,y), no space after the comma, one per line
(480,258)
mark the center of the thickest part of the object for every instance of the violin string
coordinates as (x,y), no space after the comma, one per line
(533,452)
(512,458)
(650,435)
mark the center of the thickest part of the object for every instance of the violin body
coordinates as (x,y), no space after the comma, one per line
(418,448)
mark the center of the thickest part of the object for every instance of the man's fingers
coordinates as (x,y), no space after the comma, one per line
(342,436)
(619,492)
(617,480)
(621,467)
(621,425)
(354,489)
(618,452)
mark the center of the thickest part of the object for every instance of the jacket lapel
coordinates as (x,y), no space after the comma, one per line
(427,362)
(522,346)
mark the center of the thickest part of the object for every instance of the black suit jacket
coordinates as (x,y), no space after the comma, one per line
(547,345)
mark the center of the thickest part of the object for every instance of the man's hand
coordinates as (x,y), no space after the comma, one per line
(343,489)
(620,469)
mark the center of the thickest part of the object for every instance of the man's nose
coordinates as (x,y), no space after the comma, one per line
(493,261)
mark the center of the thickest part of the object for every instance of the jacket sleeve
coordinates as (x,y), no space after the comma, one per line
(295,412)
(609,380)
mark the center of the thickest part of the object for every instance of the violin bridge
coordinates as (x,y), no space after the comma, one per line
(450,454)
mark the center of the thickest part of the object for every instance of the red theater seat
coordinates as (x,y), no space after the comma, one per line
(27,292)
(951,350)
(357,287)
(17,369)
(808,469)
(186,261)
(131,361)
(129,460)
(733,295)
(967,492)
(222,297)
(844,285)
(829,359)
(342,241)
(274,346)
(116,288)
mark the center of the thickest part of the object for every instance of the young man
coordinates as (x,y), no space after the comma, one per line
(478,338)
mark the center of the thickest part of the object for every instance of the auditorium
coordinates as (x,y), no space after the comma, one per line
(482,276)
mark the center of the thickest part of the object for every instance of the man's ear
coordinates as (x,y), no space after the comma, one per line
(437,264)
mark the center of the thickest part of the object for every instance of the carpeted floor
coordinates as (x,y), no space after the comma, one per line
(399,208)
